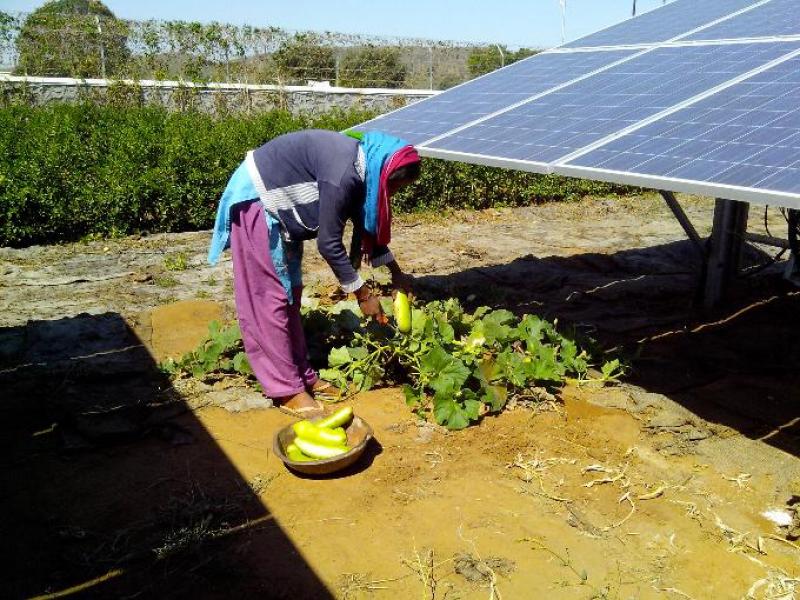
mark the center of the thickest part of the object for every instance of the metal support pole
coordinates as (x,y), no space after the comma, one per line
(683,219)
(102,48)
(502,56)
(727,240)
(430,67)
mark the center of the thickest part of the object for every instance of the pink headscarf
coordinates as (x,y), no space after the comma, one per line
(404,156)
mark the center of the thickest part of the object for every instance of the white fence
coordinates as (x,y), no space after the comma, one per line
(210,97)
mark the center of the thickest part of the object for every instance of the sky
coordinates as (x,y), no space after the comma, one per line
(515,23)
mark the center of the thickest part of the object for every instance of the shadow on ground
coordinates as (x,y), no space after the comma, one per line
(111,488)
(735,366)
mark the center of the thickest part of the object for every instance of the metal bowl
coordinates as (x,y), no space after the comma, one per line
(359,433)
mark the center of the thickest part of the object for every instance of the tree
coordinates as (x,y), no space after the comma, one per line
(8,25)
(485,59)
(303,57)
(521,54)
(79,38)
(372,66)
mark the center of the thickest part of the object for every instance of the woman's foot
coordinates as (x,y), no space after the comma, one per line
(301,404)
(325,390)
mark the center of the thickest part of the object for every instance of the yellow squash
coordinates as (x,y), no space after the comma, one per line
(402,311)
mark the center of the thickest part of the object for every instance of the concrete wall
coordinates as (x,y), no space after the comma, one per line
(214,98)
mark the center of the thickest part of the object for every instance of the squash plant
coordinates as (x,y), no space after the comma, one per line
(456,366)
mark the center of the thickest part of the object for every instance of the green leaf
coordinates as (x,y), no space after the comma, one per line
(358,353)
(387,305)
(363,381)
(480,312)
(495,327)
(241,364)
(345,306)
(455,413)
(335,376)
(339,356)
(495,396)
(472,408)
(543,367)
(449,413)
(488,371)
(476,338)
(611,369)
(169,366)
(446,332)
(531,330)
(447,373)
(420,323)
(513,368)
(413,397)
(568,352)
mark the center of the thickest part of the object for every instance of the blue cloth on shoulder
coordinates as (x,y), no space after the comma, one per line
(377,147)
(286,256)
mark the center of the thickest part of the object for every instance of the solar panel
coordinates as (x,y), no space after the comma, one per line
(706,101)
(660,25)
(775,18)
(743,141)
(697,105)
(557,124)
(497,90)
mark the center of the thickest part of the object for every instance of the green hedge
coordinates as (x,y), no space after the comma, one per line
(71,171)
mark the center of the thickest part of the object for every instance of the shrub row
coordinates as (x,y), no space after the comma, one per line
(72,171)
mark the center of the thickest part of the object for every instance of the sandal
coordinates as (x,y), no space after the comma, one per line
(303,412)
(324,391)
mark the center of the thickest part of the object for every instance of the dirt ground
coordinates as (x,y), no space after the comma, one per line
(117,483)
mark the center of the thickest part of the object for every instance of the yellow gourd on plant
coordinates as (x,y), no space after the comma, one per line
(402,311)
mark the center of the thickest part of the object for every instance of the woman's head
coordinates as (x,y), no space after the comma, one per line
(403,176)
(391,163)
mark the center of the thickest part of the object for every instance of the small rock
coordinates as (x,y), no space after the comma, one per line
(667,420)
(644,400)
(401,427)
(424,436)
(476,570)
(141,277)
(250,402)
(695,434)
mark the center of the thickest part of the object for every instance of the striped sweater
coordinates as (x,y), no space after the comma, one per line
(312,183)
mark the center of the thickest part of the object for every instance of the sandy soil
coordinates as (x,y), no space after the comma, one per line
(118,483)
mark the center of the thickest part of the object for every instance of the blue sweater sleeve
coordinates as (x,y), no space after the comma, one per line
(334,209)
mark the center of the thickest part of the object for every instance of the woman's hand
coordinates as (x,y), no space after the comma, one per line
(370,305)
